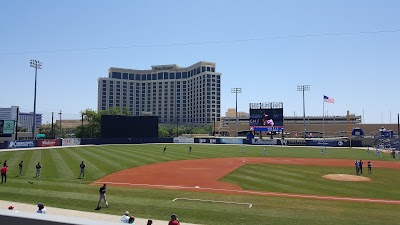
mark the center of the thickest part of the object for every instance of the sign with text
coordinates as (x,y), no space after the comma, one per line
(231,140)
(48,143)
(71,141)
(21,144)
(264,141)
(183,140)
(7,126)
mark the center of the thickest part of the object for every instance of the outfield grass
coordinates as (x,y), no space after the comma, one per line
(59,186)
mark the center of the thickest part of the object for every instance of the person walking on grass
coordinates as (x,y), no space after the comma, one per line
(82,174)
(165,150)
(265,151)
(21,164)
(38,168)
(190,149)
(242,148)
(102,196)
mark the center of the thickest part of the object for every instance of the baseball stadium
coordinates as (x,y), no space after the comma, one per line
(210,184)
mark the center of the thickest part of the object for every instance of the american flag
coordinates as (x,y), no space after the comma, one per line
(328,99)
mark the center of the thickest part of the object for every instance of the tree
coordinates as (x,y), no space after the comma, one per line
(93,128)
(46,130)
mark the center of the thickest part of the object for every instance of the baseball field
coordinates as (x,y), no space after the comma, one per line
(214,184)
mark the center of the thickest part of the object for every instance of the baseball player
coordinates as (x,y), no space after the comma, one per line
(357,167)
(242,148)
(102,195)
(165,150)
(265,151)
(21,164)
(369,167)
(82,166)
(38,168)
(190,149)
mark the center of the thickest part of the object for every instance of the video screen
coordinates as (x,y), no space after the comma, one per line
(266,119)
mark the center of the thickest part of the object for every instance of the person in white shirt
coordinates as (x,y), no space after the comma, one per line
(242,148)
(265,151)
(125,217)
(41,208)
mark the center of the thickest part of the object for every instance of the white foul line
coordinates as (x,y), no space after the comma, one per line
(202,200)
(261,193)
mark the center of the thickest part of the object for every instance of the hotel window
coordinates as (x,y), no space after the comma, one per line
(116,75)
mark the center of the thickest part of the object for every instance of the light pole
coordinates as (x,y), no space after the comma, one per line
(304,88)
(236,91)
(37,65)
(61,134)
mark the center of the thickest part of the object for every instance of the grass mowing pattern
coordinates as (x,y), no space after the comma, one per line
(308,180)
(60,187)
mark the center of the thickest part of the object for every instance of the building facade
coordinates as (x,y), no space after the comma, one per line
(9,113)
(25,120)
(184,95)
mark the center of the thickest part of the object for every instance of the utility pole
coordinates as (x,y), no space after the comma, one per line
(16,125)
(61,134)
(52,125)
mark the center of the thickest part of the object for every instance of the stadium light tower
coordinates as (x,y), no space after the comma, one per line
(304,88)
(37,65)
(236,91)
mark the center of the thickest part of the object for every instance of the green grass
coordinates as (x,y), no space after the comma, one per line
(59,186)
(308,180)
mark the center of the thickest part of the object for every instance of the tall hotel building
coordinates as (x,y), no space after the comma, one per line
(190,95)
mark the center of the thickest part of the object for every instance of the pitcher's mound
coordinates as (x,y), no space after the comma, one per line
(345,177)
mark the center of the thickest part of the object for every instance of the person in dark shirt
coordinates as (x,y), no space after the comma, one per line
(102,193)
(369,167)
(165,150)
(38,168)
(190,149)
(360,165)
(357,167)
(82,166)
(20,167)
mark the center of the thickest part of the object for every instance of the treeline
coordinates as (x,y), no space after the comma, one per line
(92,126)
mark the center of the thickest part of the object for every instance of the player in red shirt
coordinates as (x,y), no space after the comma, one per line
(174,220)
(4,174)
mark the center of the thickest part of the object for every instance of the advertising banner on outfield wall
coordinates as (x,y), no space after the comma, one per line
(296,142)
(231,140)
(183,140)
(205,140)
(21,144)
(71,141)
(264,141)
(48,143)
(330,143)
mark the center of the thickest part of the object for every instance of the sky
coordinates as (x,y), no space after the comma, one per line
(348,50)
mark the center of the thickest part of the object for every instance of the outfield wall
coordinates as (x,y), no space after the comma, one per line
(364,142)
